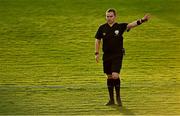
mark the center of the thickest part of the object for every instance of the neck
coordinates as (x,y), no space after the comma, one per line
(111,24)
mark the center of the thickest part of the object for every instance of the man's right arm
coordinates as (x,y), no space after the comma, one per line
(97,47)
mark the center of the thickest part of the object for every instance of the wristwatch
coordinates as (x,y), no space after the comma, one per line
(96,53)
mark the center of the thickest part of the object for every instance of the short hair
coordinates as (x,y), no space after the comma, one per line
(111,10)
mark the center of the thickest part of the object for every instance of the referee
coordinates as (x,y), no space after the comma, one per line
(111,33)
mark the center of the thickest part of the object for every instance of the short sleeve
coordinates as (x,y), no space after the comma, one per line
(123,26)
(99,34)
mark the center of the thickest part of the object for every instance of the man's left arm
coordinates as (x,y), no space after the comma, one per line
(138,22)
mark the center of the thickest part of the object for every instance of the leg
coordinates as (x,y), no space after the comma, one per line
(117,87)
(110,85)
(116,67)
(110,82)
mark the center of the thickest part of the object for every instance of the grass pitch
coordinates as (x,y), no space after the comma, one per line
(47,63)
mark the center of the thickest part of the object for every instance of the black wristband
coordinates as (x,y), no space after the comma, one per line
(96,53)
(138,22)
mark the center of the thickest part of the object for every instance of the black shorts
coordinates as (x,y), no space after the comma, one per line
(112,63)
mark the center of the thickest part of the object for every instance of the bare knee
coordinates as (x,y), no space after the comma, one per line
(115,75)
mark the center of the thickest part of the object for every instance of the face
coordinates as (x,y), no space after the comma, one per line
(110,17)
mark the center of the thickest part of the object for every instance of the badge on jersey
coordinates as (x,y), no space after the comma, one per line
(116,32)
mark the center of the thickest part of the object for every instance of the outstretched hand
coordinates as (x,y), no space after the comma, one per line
(146,17)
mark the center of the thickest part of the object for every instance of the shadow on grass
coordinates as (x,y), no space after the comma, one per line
(123,110)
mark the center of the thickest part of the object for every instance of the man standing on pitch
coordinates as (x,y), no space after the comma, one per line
(111,35)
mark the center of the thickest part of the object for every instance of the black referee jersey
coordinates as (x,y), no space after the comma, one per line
(112,37)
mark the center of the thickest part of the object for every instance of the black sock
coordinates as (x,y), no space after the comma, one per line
(110,85)
(117,84)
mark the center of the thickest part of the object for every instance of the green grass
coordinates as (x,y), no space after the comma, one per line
(47,61)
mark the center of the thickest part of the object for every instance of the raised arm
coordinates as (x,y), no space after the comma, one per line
(138,22)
